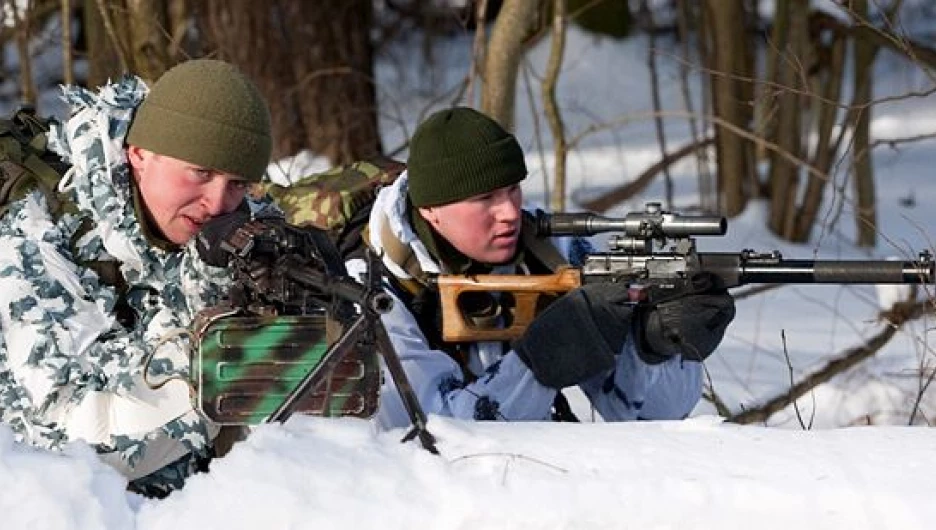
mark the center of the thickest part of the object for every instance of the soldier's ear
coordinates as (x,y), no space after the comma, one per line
(136,156)
(431,215)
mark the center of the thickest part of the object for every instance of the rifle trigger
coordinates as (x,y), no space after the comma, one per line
(637,294)
(701,283)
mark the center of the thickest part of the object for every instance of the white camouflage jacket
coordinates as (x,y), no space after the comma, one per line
(68,369)
(505,388)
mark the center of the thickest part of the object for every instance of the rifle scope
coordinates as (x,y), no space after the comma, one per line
(653,222)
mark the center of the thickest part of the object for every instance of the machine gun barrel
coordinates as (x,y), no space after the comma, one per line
(342,287)
(651,223)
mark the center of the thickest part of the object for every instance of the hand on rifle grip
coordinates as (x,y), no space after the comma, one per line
(692,326)
(211,240)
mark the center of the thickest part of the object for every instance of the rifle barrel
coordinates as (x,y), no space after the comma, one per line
(740,269)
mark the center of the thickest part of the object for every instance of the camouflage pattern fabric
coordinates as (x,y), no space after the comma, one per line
(68,369)
(328,200)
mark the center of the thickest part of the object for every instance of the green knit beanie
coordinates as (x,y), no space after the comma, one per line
(208,113)
(458,153)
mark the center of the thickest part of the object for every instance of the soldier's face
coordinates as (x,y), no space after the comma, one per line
(485,227)
(180,196)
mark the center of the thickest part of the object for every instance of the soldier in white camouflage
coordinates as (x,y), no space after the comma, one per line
(95,302)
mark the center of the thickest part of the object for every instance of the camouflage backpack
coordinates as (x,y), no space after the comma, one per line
(26,163)
(338,200)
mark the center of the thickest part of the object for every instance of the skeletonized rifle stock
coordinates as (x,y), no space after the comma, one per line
(655,256)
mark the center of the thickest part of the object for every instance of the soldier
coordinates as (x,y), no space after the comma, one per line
(95,298)
(457,209)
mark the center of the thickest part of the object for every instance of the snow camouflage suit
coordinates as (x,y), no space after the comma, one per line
(68,369)
(499,386)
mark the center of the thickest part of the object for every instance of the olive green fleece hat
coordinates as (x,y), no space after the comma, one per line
(458,153)
(206,112)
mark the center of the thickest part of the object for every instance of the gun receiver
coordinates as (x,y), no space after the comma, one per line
(655,255)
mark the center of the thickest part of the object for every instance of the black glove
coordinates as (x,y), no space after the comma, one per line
(692,326)
(577,336)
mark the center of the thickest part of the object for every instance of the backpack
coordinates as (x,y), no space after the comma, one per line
(337,201)
(26,163)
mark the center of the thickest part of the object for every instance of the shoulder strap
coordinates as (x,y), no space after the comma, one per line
(401,254)
(25,162)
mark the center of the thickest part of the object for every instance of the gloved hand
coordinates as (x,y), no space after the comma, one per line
(215,233)
(692,326)
(577,336)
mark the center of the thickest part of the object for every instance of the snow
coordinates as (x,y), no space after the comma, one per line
(843,458)
(341,473)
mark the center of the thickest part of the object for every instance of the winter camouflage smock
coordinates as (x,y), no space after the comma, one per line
(68,369)
(496,384)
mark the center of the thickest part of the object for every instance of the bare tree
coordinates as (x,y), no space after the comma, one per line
(865,213)
(142,37)
(551,105)
(788,50)
(731,89)
(830,64)
(68,68)
(22,22)
(518,21)
(314,63)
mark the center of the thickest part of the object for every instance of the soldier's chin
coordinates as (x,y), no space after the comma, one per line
(502,255)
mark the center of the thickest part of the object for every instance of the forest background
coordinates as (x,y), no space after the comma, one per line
(769,112)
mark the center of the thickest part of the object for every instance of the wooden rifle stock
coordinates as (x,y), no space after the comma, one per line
(524,290)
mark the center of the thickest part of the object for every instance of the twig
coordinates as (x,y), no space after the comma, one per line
(511,457)
(789,363)
(899,314)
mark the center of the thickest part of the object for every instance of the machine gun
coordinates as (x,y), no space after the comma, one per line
(295,333)
(655,255)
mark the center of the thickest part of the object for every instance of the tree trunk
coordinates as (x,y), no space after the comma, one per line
(142,37)
(313,61)
(728,80)
(68,67)
(690,16)
(551,105)
(23,24)
(827,107)
(788,130)
(147,38)
(107,58)
(865,212)
(515,23)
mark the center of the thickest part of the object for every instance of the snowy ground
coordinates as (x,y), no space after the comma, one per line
(315,473)
(699,473)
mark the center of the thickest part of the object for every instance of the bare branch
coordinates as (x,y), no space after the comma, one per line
(898,315)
